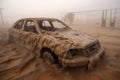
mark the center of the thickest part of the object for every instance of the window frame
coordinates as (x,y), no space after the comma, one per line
(15,26)
(40,23)
(34,26)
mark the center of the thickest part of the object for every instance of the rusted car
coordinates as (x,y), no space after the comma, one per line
(55,42)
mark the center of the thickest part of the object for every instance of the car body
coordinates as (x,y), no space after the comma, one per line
(66,46)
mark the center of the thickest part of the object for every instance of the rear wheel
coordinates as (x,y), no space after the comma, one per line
(10,39)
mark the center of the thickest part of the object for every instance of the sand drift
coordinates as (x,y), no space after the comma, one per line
(18,63)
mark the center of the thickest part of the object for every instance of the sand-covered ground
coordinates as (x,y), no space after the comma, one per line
(18,63)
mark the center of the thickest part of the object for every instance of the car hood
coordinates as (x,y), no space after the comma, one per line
(74,37)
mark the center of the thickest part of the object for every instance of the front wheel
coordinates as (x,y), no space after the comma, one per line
(48,57)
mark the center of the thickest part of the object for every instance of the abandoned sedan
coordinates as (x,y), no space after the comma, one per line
(55,42)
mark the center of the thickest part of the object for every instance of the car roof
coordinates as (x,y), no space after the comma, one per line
(42,18)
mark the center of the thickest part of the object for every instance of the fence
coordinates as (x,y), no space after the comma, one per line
(101,18)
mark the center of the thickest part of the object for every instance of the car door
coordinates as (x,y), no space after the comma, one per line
(29,34)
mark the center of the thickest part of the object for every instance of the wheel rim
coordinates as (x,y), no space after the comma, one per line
(48,58)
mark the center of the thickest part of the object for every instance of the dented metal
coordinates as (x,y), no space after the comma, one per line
(71,47)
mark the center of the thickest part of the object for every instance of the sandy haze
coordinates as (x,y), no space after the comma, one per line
(18,63)
(15,9)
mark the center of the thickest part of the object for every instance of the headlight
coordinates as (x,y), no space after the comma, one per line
(72,53)
(92,49)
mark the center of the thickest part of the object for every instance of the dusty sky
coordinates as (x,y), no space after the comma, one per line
(15,9)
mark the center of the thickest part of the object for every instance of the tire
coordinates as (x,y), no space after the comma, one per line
(48,57)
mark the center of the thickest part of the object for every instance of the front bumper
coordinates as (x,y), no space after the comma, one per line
(82,61)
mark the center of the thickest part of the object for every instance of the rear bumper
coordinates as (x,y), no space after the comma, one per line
(82,61)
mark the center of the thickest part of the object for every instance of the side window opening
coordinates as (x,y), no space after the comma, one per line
(30,26)
(46,25)
(19,24)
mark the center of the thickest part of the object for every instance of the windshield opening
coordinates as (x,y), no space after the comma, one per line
(52,25)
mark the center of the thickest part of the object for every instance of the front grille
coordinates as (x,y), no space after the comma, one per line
(92,49)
